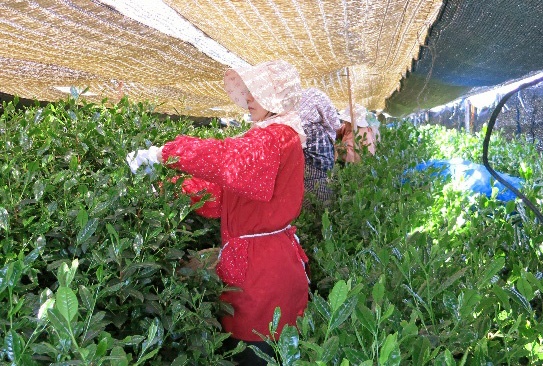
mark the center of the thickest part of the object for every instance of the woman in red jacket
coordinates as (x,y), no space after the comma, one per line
(257,181)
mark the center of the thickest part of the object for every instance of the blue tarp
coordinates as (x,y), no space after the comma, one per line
(472,177)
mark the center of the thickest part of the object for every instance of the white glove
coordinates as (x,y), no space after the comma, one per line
(135,159)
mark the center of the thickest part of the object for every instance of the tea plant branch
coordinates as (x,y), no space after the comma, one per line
(362,343)
(90,313)
(26,183)
(148,343)
(408,287)
(57,322)
(486,141)
(36,332)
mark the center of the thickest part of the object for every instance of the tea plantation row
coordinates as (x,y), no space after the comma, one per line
(97,264)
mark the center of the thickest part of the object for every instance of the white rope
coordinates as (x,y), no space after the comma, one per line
(256,236)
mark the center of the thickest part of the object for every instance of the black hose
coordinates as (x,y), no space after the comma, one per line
(486,141)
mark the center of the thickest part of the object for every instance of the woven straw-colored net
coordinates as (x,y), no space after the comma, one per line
(49,44)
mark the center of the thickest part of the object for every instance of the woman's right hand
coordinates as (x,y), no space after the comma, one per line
(148,157)
(159,155)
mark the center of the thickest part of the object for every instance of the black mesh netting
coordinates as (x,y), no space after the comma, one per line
(474,43)
(522,114)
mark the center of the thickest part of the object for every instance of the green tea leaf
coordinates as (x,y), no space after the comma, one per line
(524,287)
(450,280)
(387,313)
(118,355)
(14,345)
(52,207)
(151,334)
(378,291)
(275,320)
(10,275)
(111,231)
(66,303)
(426,351)
(102,347)
(4,219)
(113,288)
(74,92)
(330,347)
(70,183)
(446,358)
(148,267)
(263,356)
(35,253)
(534,281)
(344,311)
(148,356)
(490,270)
(85,233)
(65,274)
(82,218)
(88,352)
(322,307)
(366,317)
(414,294)
(288,345)
(338,295)
(409,329)
(58,321)
(313,347)
(74,163)
(510,206)
(518,297)
(100,208)
(137,244)
(45,348)
(326,226)
(43,311)
(38,190)
(389,353)
(503,296)
(468,300)
(356,357)
(86,298)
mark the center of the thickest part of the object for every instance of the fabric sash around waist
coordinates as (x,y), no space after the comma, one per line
(233,256)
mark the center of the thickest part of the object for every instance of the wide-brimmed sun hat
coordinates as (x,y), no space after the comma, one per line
(275,85)
(359,115)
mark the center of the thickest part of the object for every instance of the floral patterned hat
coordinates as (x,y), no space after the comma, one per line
(275,85)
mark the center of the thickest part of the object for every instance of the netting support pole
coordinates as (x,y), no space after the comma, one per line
(350,99)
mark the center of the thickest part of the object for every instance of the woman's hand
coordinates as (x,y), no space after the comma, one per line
(159,155)
(148,157)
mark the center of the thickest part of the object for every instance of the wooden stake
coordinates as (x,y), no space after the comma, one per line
(350,99)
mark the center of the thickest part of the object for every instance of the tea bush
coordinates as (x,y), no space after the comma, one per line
(92,256)
(427,274)
(405,269)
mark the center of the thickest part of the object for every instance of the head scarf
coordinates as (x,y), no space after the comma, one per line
(275,85)
(359,115)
